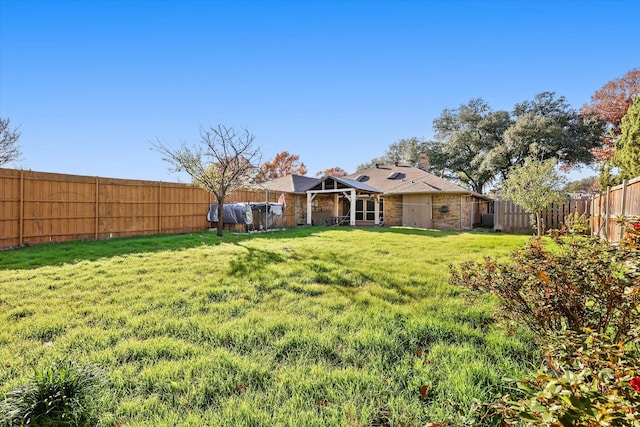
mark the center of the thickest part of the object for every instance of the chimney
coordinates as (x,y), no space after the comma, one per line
(377,165)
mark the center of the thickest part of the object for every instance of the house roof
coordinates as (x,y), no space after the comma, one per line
(290,184)
(341,183)
(405,179)
(385,179)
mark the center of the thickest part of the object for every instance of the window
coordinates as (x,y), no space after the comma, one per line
(359,210)
(366,210)
(371,206)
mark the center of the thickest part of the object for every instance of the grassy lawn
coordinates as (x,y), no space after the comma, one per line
(307,327)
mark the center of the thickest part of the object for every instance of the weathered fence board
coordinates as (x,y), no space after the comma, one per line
(512,218)
(607,212)
(612,207)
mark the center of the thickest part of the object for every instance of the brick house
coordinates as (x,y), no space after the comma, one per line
(394,195)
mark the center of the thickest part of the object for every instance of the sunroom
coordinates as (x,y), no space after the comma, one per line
(343,201)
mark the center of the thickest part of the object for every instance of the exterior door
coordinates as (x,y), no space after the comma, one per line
(417,211)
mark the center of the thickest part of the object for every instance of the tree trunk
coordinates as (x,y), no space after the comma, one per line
(539,224)
(220,213)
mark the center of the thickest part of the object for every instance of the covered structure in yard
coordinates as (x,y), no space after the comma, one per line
(399,195)
(348,191)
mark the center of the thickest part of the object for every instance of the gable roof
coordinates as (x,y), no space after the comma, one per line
(405,179)
(290,184)
(341,183)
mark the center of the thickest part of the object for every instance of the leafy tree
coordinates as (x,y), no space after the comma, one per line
(334,171)
(550,128)
(627,156)
(283,164)
(9,150)
(414,151)
(222,161)
(611,102)
(535,186)
(607,178)
(587,185)
(477,145)
(465,137)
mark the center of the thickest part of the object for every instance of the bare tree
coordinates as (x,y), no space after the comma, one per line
(222,161)
(9,150)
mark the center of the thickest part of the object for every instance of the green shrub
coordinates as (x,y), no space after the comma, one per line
(62,394)
(575,223)
(578,283)
(588,381)
(581,297)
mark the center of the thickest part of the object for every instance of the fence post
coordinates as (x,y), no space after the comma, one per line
(624,202)
(97,207)
(593,214)
(473,211)
(159,207)
(606,214)
(21,225)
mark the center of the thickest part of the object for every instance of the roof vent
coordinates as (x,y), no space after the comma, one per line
(377,165)
(361,178)
(393,175)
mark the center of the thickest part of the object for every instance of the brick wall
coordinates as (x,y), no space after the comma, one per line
(322,213)
(458,214)
(393,210)
(300,209)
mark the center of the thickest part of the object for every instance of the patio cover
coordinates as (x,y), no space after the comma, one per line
(350,189)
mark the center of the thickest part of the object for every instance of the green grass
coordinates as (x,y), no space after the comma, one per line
(307,327)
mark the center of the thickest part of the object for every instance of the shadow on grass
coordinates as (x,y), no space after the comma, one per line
(425,232)
(253,260)
(54,254)
(49,254)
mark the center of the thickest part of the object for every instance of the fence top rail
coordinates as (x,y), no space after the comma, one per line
(620,186)
(52,176)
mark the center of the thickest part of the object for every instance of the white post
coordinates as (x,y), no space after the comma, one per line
(309,200)
(352,219)
(376,210)
(336,199)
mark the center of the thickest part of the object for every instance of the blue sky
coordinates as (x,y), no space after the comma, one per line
(92,83)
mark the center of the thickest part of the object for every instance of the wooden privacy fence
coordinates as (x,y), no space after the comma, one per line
(611,209)
(608,212)
(37,207)
(511,218)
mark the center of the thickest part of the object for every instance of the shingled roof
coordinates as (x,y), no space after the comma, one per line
(290,184)
(340,183)
(405,179)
